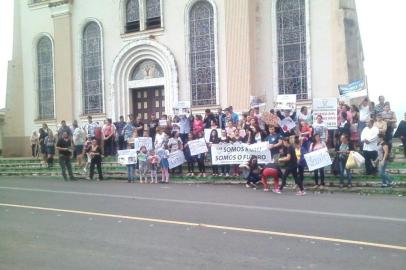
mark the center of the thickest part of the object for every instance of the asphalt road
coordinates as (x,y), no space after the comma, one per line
(46,223)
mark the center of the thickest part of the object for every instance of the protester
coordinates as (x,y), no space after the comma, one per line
(43,133)
(378,109)
(275,142)
(163,154)
(383,157)
(254,173)
(290,159)
(174,144)
(214,139)
(90,127)
(365,112)
(95,153)
(343,152)
(153,160)
(109,131)
(142,164)
(200,160)
(301,149)
(119,127)
(131,170)
(34,140)
(185,128)
(127,132)
(50,142)
(390,118)
(78,138)
(224,168)
(139,126)
(271,170)
(64,147)
(318,144)
(188,156)
(64,128)
(381,124)
(304,115)
(401,133)
(320,127)
(369,138)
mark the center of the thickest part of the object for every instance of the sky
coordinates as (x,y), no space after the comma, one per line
(382,26)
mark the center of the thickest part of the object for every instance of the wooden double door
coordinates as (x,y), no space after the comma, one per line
(148,101)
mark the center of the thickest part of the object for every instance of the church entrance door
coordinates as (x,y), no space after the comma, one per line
(148,101)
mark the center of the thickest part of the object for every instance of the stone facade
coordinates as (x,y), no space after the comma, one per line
(245,47)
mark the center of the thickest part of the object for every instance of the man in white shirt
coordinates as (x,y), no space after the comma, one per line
(90,128)
(369,138)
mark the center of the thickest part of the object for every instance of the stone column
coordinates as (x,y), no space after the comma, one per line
(240,52)
(63,55)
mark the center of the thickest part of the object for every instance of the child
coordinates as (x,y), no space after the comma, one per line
(153,161)
(131,169)
(343,152)
(142,164)
(163,154)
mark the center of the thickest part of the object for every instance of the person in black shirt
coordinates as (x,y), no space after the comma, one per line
(208,117)
(290,160)
(95,153)
(214,139)
(152,125)
(64,146)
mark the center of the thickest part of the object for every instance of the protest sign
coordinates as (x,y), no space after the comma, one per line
(143,141)
(207,132)
(127,157)
(270,119)
(354,89)
(182,108)
(285,102)
(163,123)
(237,153)
(327,108)
(176,159)
(318,159)
(197,146)
(287,124)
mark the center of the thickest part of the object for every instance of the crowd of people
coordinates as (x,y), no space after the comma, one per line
(367,128)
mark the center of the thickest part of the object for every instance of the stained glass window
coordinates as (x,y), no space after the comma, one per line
(147,69)
(133,16)
(45,78)
(153,9)
(92,69)
(292,60)
(202,54)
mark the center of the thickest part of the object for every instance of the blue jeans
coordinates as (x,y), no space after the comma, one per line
(386,179)
(131,172)
(342,170)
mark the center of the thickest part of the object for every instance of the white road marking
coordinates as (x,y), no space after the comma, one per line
(230,205)
(214,227)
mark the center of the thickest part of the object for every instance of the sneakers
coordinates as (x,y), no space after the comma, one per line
(247,186)
(277,191)
(266,189)
(300,193)
(220,174)
(227,175)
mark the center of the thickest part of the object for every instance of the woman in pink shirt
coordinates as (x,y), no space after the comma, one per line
(198,125)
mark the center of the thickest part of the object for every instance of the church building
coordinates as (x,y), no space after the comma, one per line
(107,58)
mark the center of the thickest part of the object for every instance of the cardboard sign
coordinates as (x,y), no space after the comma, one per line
(327,108)
(176,159)
(270,119)
(182,108)
(285,102)
(287,124)
(127,157)
(197,146)
(237,153)
(143,141)
(318,159)
(207,132)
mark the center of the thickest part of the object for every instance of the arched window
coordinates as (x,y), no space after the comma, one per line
(147,69)
(202,54)
(92,69)
(45,78)
(132,16)
(153,12)
(292,60)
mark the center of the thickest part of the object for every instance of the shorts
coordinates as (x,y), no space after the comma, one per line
(164,163)
(51,150)
(78,149)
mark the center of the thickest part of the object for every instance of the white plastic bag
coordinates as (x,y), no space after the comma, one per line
(359,159)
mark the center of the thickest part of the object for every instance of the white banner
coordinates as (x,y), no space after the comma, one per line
(285,102)
(197,146)
(207,132)
(318,159)
(182,108)
(143,141)
(127,157)
(176,159)
(237,153)
(327,108)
